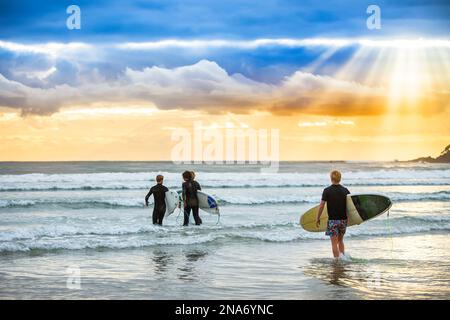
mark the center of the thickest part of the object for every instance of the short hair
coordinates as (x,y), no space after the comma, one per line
(193,175)
(335,176)
(159,178)
(187,175)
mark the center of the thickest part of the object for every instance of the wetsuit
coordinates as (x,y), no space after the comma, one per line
(190,189)
(159,194)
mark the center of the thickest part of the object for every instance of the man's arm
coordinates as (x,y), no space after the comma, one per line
(322,205)
(148,196)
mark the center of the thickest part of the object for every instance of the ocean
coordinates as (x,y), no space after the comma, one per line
(79,230)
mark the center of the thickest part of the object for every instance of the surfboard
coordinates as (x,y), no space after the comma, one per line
(360,208)
(206,202)
(172,200)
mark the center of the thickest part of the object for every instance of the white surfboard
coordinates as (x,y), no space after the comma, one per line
(172,200)
(206,202)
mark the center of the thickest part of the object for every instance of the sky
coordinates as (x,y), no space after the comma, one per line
(138,72)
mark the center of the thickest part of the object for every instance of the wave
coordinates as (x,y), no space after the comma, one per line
(73,203)
(142,180)
(55,231)
(145,186)
(308,199)
(123,237)
(224,200)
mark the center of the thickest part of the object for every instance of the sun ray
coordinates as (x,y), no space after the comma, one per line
(321,60)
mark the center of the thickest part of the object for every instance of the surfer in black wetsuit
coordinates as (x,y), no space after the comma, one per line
(335,198)
(159,194)
(190,199)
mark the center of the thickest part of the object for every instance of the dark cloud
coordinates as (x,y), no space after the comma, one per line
(203,86)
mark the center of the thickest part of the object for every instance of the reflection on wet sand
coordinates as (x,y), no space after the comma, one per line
(161,260)
(328,270)
(166,262)
(383,278)
(357,275)
(337,273)
(188,272)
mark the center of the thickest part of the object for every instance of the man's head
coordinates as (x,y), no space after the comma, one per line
(335,177)
(159,178)
(187,176)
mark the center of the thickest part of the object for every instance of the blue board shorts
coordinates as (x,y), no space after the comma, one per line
(336,227)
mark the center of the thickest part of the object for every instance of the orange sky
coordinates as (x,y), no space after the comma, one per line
(144,133)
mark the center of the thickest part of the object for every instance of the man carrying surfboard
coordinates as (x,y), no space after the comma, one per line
(190,198)
(335,197)
(159,194)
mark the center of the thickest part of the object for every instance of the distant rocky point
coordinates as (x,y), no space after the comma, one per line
(443,158)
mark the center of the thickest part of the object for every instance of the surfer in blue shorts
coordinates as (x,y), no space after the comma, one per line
(335,197)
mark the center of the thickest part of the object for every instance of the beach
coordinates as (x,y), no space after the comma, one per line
(87,219)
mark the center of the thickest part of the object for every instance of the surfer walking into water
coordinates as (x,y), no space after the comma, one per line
(335,198)
(190,198)
(159,195)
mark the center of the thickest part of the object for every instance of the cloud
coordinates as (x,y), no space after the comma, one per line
(202,86)
(324,95)
(285,42)
(58,49)
(51,48)
(43,78)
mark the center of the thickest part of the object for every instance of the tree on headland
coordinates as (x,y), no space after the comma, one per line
(444,157)
(446,150)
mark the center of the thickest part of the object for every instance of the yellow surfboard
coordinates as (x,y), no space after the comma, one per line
(360,208)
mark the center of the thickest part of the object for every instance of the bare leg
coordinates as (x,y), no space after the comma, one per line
(335,246)
(341,244)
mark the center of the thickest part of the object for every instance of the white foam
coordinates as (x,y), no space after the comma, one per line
(142,180)
(102,199)
(138,234)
